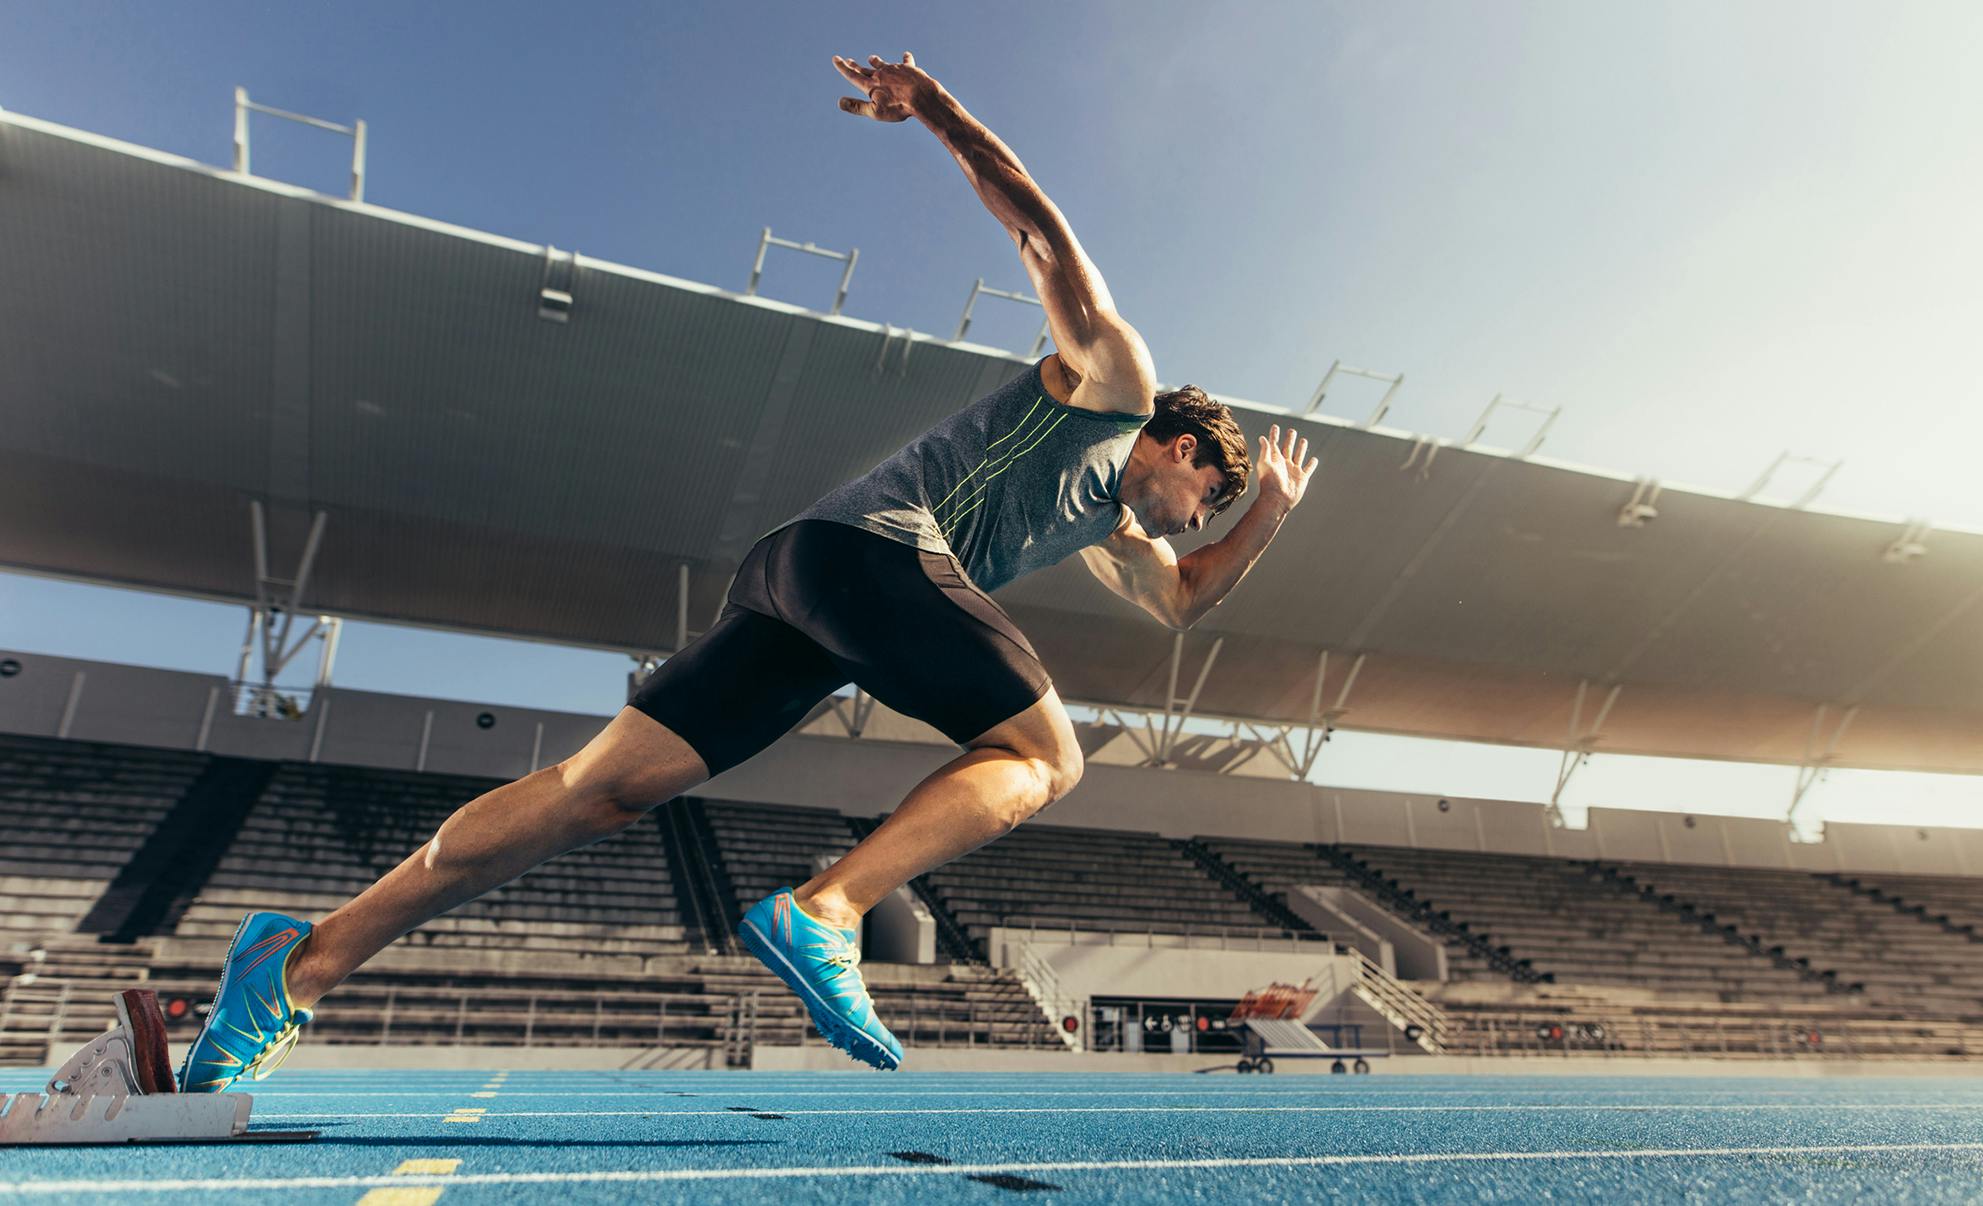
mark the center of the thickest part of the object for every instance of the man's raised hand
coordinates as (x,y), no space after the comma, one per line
(894,90)
(1283,476)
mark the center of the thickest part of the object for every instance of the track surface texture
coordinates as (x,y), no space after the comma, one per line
(466,1136)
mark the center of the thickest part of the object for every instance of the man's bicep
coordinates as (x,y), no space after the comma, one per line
(1141,568)
(1089,335)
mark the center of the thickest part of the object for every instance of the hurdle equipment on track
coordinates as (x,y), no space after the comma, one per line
(119,1088)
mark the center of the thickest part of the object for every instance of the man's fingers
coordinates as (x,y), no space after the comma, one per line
(857,106)
(848,68)
(908,60)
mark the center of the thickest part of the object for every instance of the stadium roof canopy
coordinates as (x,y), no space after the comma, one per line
(177,340)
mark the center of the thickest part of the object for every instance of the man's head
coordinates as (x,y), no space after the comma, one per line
(1188,465)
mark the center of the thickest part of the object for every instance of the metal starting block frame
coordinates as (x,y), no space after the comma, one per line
(119,1088)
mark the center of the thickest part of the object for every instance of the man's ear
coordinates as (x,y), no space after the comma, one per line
(1184,447)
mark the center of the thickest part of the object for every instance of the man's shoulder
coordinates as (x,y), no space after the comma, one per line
(1067,387)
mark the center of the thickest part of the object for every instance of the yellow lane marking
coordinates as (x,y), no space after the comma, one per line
(425,1195)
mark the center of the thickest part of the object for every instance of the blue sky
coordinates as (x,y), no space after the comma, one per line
(1710,232)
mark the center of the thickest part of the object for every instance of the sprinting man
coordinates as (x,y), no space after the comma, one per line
(883,583)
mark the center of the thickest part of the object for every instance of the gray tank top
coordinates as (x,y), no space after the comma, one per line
(1012,483)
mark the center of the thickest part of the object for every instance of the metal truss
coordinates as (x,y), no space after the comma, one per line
(1818,762)
(1578,750)
(270,620)
(1279,740)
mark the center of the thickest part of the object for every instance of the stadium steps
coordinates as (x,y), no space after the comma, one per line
(1401,900)
(1908,906)
(697,898)
(1728,932)
(712,873)
(1272,910)
(164,874)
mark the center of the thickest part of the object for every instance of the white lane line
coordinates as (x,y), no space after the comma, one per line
(1678,1107)
(731,1088)
(636,1175)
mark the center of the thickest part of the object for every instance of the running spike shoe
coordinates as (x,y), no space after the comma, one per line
(822,965)
(251,1026)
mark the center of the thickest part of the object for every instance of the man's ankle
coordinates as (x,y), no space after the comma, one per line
(830,908)
(301,976)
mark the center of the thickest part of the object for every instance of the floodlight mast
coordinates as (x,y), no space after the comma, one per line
(846,278)
(243,106)
(964,324)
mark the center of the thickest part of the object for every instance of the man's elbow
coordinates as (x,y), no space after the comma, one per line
(1181,614)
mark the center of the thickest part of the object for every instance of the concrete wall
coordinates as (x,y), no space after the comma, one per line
(98,701)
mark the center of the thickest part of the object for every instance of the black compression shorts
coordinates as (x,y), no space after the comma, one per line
(817,605)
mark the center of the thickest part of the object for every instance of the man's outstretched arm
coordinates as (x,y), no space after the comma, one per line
(1092,339)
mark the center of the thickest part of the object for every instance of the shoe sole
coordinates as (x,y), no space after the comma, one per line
(213,1008)
(816,1005)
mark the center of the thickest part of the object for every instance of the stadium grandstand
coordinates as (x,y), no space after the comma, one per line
(1472,594)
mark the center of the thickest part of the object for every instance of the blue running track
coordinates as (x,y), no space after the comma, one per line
(573,1137)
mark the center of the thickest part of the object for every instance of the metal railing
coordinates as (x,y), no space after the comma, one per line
(1042,983)
(1153,936)
(1400,1005)
(268,702)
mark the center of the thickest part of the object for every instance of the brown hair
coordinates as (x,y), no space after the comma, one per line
(1189,409)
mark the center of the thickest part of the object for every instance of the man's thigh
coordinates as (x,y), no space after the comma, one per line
(738,687)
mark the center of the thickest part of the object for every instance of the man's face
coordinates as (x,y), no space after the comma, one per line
(1181,493)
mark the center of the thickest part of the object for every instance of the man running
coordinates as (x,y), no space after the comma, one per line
(883,583)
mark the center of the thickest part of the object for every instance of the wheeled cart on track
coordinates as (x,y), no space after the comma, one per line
(1268,1039)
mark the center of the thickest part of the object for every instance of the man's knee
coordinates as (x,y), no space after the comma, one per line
(1064,772)
(633,765)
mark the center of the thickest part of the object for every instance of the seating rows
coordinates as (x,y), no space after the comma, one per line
(1570,920)
(321,834)
(77,809)
(1957,898)
(765,847)
(1895,956)
(1554,1020)
(1088,879)
(73,813)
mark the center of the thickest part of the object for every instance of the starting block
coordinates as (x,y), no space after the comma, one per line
(119,1089)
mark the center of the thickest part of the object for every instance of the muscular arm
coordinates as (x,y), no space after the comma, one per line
(1145,570)
(1108,354)
(1093,340)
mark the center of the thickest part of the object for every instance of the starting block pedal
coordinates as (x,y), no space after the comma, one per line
(119,1089)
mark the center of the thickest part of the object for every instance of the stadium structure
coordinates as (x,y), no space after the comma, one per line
(225,388)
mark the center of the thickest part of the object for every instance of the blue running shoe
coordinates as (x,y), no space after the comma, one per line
(252,1025)
(822,965)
